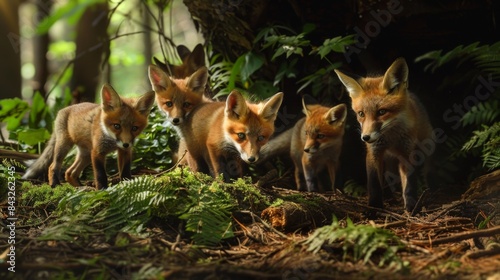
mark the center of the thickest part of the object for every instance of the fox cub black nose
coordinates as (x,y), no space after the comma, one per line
(125,145)
(366,138)
(176,120)
(251,159)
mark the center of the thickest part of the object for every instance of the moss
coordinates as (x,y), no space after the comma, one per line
(44,196)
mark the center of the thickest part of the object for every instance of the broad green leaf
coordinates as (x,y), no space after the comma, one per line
(33,136)
(12,112)
(235,72)
(38,109)
(253,62)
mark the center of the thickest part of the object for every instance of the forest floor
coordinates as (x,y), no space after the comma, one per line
(451,238)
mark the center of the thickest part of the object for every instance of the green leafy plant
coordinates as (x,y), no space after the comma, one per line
(485,113)
(475,146)
(283,47)
(358,242)
(352,187)
(40,119)
(154,146)
(485,57)
(487,140)
(205,205)
(12,112)
(208,216)
(322,79)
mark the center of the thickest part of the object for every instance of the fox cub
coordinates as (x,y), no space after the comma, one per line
(219,135)
(96,130)
(393,123)
(178,97)
(317,143)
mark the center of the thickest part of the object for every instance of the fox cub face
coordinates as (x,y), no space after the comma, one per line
(248,126)
(379,101)
(323,126)
(178,97)
(122,119)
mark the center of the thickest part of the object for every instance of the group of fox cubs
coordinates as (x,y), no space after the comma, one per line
(222,137)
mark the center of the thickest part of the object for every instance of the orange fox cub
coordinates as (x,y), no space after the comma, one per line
(178,97)
(191,61)
(219,135)
(393,126)
(96,130)
(317,143)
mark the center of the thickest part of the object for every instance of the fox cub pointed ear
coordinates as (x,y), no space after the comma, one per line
(352,86)
(196,59)
(198,80)
(145,103)
(110,98)
(236,106)
(308,100)
(160,81)
(271,106)
(336,114)
(160,64)
(396,74)
(183,51)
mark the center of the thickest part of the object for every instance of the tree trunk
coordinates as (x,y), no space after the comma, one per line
(148,46)
(91,45)
(10,48)
(40,49)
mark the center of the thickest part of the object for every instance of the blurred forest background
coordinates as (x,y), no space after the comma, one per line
(60,52)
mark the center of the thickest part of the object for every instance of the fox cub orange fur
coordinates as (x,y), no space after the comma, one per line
(96,130)
(219,135)
(316,144)
(393,123)
(178,97)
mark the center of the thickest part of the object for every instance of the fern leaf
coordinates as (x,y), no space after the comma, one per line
(482,113)
(359,241)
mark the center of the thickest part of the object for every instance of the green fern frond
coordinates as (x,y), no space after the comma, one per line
(485,57)
(482,113)
(485,70)
(208,223)
(206,206)
(488,141)
(482,137)
(492,160)
(209,214)
(8,162)
(360,242)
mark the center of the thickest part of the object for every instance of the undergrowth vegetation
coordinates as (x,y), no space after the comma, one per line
(193,203)
(203,205)
(358,243)
(475,114)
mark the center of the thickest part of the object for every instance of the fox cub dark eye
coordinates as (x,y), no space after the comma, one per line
(320,136)
(381,112)
(117,126)
(241,136)
(261,138)
(186,104)
(135,128)
(361,114)
(169,104)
